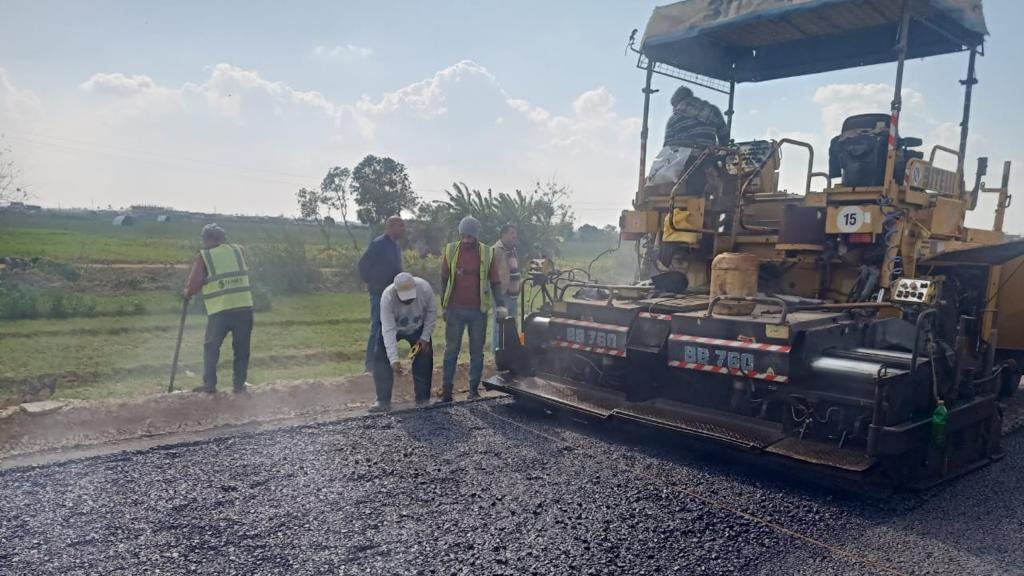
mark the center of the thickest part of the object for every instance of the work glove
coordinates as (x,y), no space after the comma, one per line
(501,312)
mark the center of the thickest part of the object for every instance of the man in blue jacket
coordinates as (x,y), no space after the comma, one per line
(378,267)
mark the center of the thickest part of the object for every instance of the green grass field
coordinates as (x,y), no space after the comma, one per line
(308,336)
(302,335)
(84,238)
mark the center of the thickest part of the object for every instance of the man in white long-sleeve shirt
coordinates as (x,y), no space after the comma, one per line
(408,311)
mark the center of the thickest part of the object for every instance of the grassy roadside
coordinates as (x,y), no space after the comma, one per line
(306,335)
(309,336)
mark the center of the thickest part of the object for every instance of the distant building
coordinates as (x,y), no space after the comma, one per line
(124,220)
(163,218)
(149,209)
(21,207)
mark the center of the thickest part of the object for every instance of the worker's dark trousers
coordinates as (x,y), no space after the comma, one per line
(239,323)
(422,370)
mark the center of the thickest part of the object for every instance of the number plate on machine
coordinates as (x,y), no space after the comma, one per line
(607,339)
(750,359)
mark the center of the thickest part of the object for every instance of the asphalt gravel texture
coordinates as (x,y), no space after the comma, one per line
(469,490)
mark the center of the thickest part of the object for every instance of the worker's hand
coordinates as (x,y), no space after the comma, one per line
(396,368)
(501,312)
(185,295)
(424,346)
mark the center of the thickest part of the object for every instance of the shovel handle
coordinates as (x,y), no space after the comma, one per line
(177,345)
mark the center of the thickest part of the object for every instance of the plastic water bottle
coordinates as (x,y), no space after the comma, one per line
(940,417)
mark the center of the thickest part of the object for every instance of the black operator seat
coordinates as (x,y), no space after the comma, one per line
(858,153)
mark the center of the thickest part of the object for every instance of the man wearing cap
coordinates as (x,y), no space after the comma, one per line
(469,281)
(407,312)
(378,267)
(220,272)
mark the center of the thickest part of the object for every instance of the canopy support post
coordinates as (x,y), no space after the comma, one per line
(889,265)
(644,128)
(731,110)
(897,97)
(968,85)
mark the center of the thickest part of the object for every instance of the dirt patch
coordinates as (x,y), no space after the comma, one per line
(34,279)
(131,279)
(172,328)
(81,423)
(43,386)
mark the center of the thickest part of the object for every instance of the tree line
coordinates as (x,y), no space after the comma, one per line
(380,187)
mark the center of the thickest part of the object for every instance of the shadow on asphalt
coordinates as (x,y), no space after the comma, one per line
(436,427)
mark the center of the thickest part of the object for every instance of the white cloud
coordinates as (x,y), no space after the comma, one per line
(118,83)
(16,104)
(533,113)
(344,52)
(426,97)
(593,125)
(839,101)
(229,91)
(229,86)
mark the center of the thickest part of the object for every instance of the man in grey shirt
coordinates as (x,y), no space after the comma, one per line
(408,311)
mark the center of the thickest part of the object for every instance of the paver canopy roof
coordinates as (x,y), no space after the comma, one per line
(767,39)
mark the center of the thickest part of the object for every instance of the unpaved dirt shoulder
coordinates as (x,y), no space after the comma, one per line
(87,423)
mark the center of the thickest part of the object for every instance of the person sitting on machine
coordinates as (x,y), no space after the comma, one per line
(695,124)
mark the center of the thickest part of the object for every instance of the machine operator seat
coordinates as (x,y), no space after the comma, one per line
(858,153)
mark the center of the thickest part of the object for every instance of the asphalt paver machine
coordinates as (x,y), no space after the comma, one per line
(855,326)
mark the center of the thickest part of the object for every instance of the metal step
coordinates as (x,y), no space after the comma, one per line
(819,453)
(594,401)
(726,427)
(602,402)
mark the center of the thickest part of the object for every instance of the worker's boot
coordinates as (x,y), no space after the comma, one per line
(446,393)
(242,388)
(473,394)
(379,407)
(205,389)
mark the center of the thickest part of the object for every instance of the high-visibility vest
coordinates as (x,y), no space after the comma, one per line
(227,279)
(451,255)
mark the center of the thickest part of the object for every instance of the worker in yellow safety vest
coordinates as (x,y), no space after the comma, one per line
(219,272)
(469,281)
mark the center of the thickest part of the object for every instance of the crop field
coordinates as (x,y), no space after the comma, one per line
(87,238)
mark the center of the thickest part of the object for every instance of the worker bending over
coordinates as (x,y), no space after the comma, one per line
(220,272)
(469,280)
(407,312)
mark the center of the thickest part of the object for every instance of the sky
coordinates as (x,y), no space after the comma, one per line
(231,106)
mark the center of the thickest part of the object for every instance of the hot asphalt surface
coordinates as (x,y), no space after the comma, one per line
(467,490)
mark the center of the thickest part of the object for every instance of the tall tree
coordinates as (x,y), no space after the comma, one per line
(10,191)
(381,188)
(335,188)
(542,216)
(315,207)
